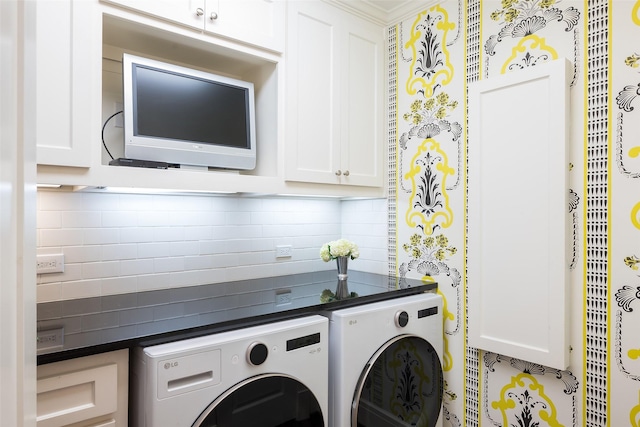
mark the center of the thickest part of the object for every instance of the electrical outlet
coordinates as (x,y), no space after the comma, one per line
(283,297)
(50,339)
(50,264)
(284,251)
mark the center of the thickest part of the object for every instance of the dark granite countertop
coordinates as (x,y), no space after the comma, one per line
(94,325)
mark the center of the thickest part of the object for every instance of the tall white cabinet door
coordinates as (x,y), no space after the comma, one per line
(258,22)
(65,77)
(518,253)
(334,97)
(362,105)
(313,75)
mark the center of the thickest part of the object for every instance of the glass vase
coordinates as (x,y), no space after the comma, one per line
(342,289)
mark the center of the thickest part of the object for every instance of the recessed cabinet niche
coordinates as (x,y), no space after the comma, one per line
(518,233)
(334,97)
(71,108)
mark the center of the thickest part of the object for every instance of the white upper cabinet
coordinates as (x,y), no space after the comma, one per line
(62,79)
(334,114)
(257,22)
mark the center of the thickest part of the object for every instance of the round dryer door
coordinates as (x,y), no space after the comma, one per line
(264,401)
(401,385)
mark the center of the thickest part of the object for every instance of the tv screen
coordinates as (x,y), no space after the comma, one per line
(184,116)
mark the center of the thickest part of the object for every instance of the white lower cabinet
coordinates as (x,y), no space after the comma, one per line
(90,391)
(334,115)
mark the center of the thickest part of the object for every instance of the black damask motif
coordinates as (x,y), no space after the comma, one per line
(522,18)
(625,296)
(407,392)
(626,96)
(430,53)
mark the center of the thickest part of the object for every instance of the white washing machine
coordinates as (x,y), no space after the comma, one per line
(385,363)
(267,375)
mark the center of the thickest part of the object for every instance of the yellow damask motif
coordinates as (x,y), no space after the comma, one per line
(634,354)
(547,414)
(635,219)
(443,75)
(447,358)
(634,152)
(634,416)
(635,13)
(445,215)
(527,44)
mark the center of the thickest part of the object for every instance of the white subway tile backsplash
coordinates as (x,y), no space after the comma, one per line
(119,252)
(49,292)
(82,219)
(154,250)
(119,219)
(99,202)
(135,235)
(136,267)
(80,289)
(59,201)
(99,270)
(120,243)
(186,248)
(168,234)
(118,285)
(198,233)
(60,237)
(100,236)
(49,219)
(167,265)
(150,282)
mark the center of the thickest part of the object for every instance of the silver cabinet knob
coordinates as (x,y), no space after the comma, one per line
(346,173)
(213,16)
(199,11)
(338,172)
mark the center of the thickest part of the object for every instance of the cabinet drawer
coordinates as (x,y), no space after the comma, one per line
(89,391)
(75,396)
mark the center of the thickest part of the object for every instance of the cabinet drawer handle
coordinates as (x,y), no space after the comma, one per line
(346,173)
(213,16)
(338,172)
(199,11)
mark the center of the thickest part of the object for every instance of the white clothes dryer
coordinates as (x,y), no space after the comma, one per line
(264,376)
(385,363)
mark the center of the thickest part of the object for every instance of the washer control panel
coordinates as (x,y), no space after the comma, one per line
(301,342)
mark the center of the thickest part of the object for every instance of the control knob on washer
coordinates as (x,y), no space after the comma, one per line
(401,319)
(257,353)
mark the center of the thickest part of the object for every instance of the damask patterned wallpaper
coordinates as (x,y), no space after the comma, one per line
(437,53)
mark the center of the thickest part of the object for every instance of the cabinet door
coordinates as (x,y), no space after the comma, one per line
(313,113)
(518,189)
(258,22)
(362,116)
(186,12)
(90,391)
(334,97)
(65,79)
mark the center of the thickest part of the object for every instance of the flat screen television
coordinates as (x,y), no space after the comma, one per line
(184,116)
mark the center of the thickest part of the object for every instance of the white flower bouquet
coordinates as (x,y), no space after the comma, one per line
(338,248)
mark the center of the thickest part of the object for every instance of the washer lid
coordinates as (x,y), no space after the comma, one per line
(268,400)
(401,385)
